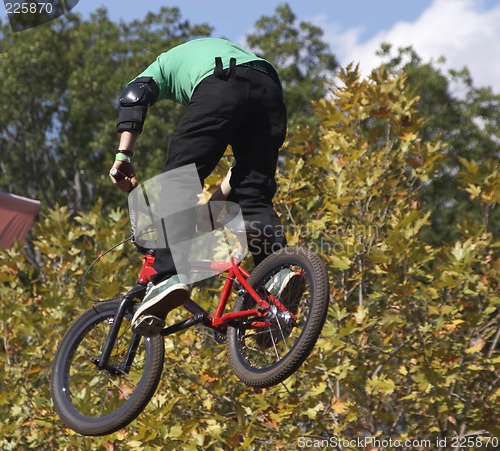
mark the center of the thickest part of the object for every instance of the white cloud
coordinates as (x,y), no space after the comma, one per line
(460,30)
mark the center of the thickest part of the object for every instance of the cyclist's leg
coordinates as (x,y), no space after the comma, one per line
(255,147)
(264,229)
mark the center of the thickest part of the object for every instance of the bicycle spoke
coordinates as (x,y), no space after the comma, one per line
(264,346)
(107,390)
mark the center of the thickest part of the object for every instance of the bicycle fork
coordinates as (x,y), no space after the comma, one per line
(102,363)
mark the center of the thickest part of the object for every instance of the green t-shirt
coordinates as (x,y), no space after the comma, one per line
(179,71)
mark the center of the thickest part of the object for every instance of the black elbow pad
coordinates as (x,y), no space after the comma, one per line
(135,100)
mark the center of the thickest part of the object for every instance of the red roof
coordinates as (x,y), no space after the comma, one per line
(16,216)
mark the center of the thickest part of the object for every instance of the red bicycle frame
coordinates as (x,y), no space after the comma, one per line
(235,272)
(218,321)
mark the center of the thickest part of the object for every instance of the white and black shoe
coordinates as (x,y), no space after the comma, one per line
(159,300)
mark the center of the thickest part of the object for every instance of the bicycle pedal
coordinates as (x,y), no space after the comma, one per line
(148,325)
(220,337)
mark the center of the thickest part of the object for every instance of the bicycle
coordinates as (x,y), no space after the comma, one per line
(104,375)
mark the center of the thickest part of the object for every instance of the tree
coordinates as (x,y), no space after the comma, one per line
(467,118)
(410,347)
(412,342)
(303,59)
(34,71)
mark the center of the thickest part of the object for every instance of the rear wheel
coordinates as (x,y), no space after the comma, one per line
(264,351)
(95,401)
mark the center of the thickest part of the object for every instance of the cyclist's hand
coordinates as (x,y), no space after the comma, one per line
(122,174)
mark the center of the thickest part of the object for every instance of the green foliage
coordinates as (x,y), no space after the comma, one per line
(409,349)
(33,106)
(467,118)
(414,328)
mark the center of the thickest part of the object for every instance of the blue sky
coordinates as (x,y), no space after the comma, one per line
(466,32)
(233,19)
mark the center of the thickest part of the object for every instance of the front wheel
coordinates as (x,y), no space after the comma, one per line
(266,350)
(94,401)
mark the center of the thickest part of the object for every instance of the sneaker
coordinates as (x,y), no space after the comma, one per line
(159,300)
(288,287)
